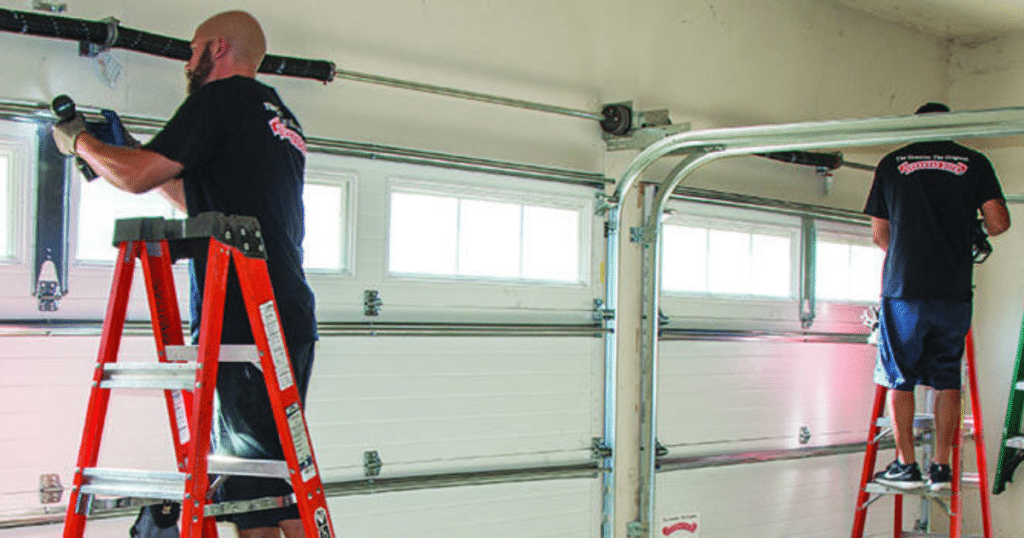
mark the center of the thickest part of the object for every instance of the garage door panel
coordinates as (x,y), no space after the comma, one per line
(810,497)
(423,400)
(549,509)
(720,392)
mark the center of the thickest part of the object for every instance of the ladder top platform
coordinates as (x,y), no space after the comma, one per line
(238,231)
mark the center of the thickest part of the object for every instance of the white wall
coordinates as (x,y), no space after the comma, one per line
(713,64)
(990,75)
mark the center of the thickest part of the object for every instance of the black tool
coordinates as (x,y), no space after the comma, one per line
(64,108)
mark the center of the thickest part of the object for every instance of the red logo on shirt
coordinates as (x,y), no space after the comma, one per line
(946,166)
(282,131)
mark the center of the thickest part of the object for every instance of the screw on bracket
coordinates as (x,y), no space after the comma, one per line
(371,303)
(372,463)
(601,313)
(599,450)
(50,490)
(635,529)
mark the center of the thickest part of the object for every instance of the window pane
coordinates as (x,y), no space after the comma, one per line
(848,272)
(771,265)
(685,259)
(728,262)
(5,206)
(101,205)
(325,207)
(551,244)
(489,236)
(866,272)
(447,235)
(832,271)
(423,234)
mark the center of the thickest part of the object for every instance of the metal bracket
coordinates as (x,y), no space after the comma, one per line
(50,490)
(635,529)
(604,204)
(600,313)
(660,450)
(599,450)
(637,234)
(372,463)
(92,50)
(371,303)
(649,133)
(48,293)
(51,7)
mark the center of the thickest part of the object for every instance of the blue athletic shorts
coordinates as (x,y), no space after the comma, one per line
(921,342)
(245,428)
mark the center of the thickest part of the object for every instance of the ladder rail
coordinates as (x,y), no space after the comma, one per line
(166,321)
(283,392)
(197,480)
(1009,455)
(99,398)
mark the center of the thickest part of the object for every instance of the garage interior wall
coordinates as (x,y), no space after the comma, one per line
(712,64)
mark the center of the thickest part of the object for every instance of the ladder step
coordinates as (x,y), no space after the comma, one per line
(228,353)
(230,465)
(149,375)
(920,421)
(875,487)
(134,483)
(923,534)
(1015,442)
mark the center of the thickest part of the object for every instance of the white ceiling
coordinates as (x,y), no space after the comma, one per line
(949,18)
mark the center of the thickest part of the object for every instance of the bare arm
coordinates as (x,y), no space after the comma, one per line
(130,169)
(880,232)
(174,192)
(997,218)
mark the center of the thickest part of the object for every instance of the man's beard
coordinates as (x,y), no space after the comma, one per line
(197,77)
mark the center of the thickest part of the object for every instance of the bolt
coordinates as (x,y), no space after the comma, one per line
(227,235)
(195,519)
(245,246)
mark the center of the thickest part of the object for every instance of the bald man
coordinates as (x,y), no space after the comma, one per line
(234,147)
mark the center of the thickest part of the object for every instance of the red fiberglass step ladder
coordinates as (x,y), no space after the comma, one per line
(187,375)
(871,491)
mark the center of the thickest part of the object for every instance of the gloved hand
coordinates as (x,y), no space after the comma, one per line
(66,132)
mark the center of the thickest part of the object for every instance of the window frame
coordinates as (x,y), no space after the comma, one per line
(752,221)
(18,142)
(322,174)
(480,191)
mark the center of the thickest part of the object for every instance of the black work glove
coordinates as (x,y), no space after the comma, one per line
(980,247)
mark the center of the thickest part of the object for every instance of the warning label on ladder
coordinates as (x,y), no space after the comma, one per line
(180,417)
(303,452)
(277,350)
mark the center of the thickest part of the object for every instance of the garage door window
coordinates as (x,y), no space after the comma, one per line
(433,234)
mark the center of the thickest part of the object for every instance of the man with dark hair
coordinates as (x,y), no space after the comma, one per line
(233,147)
(924,204)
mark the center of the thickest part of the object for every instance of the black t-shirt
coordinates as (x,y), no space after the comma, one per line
(930,193)
(244,153)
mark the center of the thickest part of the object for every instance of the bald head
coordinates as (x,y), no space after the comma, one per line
(243,40)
